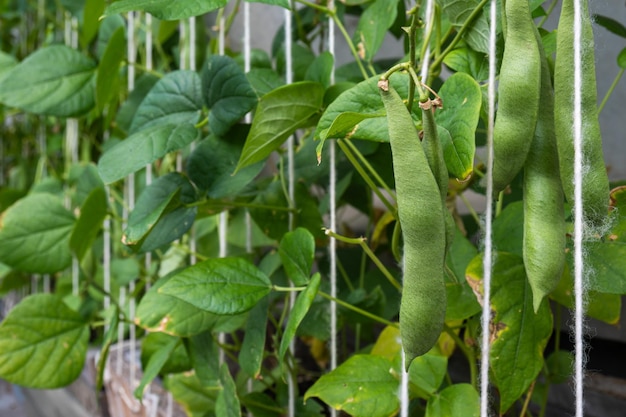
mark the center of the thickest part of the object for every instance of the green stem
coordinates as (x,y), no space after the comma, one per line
(358,310)
(344,275)
(361,242)
(548,13)
(471,209)
(147,70)
(527,400)
(477,11)
(469,354)
(412,55)
(366,177)
(608,93)
(202,123)
(369,167)
(287,289)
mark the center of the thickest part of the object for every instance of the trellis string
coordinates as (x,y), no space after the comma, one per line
(487,259)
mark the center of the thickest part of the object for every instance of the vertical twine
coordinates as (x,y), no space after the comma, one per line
(332,248)
(578,211)
(487,260)
(428,16)
(192,66)
(149,67)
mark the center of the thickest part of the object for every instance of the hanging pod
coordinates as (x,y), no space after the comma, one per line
(595,185)
(518,95)
(420,210)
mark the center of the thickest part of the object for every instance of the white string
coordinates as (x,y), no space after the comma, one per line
(404,387)
(149,66)
(428,16)
(120,335)
(192,66)
(578,211)
(487,260)
(332,248)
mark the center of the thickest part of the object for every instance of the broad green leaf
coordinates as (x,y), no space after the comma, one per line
(85,178)
(461,110)
(227,403)
(264,80)
(278,115)
(455,400)
(43,343)
(611,25)
(219,285)
(6,63)
(155,364)
(211,166)
(108,26)
(197,399)
(108,74)
(174,100)
(166,9)
(321,69)
(178,360)
(204,353)
(508,229)
(519,335)
(560,366)
(261,405)
(362,100)
(143,148)
(159,312)
(299,310)
(468,61)
(164,198)
(297,250)
(35,235)
(362,386)
(426,374)
(477,36)
(302,57)
(226,92)
(281,3)
(388,344)
(607,260)
(64,88)
(92,214)
(462,302)
(127,110)
(373,25)
(253,346)
(125,270)
(91,21)
(605,307)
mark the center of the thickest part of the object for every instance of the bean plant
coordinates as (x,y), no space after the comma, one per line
(225,334)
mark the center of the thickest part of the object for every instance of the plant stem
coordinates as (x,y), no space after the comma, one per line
(369,167)
(477,11)
(611,88)
(412,54)
(358,310)
(471,209)
(366,177)
(146,70)
(548,13)
(361,242)
(288,289)
(527,400)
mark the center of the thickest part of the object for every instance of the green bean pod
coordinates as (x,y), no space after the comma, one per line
(544,218)
(434,156)
(518,97)
(423,303)
(595,185)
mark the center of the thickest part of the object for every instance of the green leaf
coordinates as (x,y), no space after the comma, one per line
(455,400)
(65,89)
(372,27)
(35,235)
(362,100)
(299,310)
(264,80)
(43,343)
(211,166)
(611,25)
(281,3)
(163,199)
(159,312)
(477,36)
(226,92)
(91,21)
(6,63)
(508,229)
(108,75)
(143,148)
(519,335)
(109,338)
(155,364)
(196,398)
(178,360)
(468,61)
(227,403)
(461,110)
(219,285)
(278,115)
(175,99)
(321,69)
(92,214)
(362,386)
(166,9)
(462,302)
(204,353)
(426,374)
(108,26)
(297,250)
(607,260)
(128,109)
(253,346)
